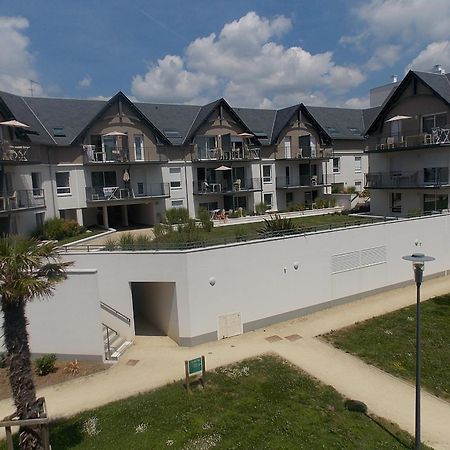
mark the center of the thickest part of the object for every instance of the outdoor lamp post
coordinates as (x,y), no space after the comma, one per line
(418,260)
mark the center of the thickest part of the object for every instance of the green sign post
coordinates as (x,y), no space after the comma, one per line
(194,370)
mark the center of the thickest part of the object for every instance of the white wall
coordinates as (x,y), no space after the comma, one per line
(259,280)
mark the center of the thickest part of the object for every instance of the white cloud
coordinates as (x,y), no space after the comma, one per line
(434,53)
(406,21)
(245,64)
(384,56)
(16,61)
(169,81)
(85,82)
(357,102)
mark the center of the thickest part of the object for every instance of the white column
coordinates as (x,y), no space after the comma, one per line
(80,216)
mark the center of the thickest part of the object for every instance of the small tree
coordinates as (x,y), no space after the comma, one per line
(28,270)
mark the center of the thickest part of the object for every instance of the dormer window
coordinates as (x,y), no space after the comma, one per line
(59,132)
(172,133)
(354,130)
(332,130)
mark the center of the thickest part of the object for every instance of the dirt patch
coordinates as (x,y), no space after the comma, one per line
(59,376)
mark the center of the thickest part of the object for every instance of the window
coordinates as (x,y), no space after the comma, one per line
(358,164)
(62,183)
(332,130)
(39,219)
(268,201)
(172,133)
(433,121)
(211,206)
(104,179)
(261,135)
(177,203)
(355,131)
(358,186)
(435,175)
(36,183)
(287,147)
(140,188)
(175,177)
(336,165)
(138,147)
(59,132)
(433,202)
(289,198)
(267,174)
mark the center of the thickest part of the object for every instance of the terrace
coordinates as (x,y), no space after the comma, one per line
(309,153)
(304,181)
(227,186)
(94,155)
(125,194)
(13,153)
(427,178)
(21,200)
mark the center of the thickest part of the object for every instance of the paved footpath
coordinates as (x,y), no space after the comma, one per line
(161,361)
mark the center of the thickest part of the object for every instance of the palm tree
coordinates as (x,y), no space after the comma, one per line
(28,269)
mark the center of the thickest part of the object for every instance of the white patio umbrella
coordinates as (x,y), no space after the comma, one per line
(396,118)
(249,135)
(14,124)
(223,168)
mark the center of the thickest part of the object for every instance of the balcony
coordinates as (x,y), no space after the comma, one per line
(94,155)
(304,181)
(126,195)
(308,153)
(235,154)
(21,200)
(428,178)
(227,187)
(16,153)
(413,140)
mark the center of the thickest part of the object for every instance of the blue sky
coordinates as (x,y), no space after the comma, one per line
(255,53)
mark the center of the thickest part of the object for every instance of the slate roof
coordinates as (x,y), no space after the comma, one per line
(45,114)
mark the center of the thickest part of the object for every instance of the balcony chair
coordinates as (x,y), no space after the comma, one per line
(237,184)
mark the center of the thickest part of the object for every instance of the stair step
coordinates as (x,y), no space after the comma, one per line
(120,350)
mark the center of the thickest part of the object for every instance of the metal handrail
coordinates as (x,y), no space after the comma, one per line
(108,341)
(116,313)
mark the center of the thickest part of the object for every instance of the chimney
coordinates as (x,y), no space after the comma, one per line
(437,68)
(394,78)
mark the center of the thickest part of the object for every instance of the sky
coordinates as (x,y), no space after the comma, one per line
(262,54)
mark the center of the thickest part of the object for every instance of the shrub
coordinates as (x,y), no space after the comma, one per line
(45,364)
(58,229)
(261,208)
(143,242)
(161,229)
(110,245)
(177,215)
(72,367)
(205,219)
(320,203)
(127,241)
(277,225)
(332,202)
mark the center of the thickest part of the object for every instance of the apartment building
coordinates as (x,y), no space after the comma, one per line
(118,163)
(408,147)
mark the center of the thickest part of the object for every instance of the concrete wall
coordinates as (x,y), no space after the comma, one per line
(273,290)
(68,323)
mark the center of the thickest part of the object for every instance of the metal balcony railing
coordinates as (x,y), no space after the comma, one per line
(22,199)
(411,179)
(308,153)
(304,181)
(19,152)
(219,154)
(227,186)
(117,193)
(93,154)
(412,139)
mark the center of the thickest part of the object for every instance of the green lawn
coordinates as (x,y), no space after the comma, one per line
(388,342)
(262,403)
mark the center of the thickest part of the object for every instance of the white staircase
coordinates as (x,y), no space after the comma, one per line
(114,344)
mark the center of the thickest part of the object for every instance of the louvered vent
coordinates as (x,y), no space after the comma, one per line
(355,260)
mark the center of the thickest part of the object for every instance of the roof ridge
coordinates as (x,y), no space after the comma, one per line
(39,120)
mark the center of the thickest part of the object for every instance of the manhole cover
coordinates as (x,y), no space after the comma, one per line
(132,362)
(293,337)
(273,338)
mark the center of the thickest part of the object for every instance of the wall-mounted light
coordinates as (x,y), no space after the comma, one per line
(296,265)
(212,281)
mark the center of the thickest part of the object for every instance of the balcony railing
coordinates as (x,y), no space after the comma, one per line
(93,154)
(117,193)
(308,153)
(304,181)
(22,199)
(226,187)
(413,179)
(18,152)
(218,154)
(413,139)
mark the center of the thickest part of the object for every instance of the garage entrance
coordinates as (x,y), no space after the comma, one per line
(155,309)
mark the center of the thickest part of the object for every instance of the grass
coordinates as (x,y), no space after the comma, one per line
(263,403)
(388,342)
